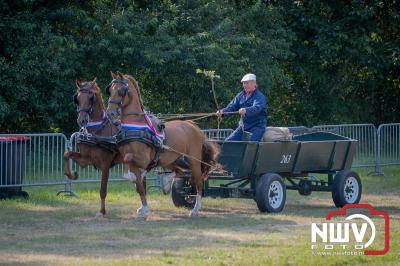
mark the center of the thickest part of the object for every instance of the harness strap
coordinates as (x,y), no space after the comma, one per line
(154,161)
(131,135)
(106,143)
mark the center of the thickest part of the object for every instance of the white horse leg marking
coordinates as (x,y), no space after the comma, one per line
(130,176)
(197,207)
(143,212)
(166,182)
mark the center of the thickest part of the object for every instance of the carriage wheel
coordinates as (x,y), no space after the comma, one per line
(346,188)
(182,193)
(270,193)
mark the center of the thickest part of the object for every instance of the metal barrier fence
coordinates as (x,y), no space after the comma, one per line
(388,144)
(366,154)
(37,159)
(32,159)
(217,134)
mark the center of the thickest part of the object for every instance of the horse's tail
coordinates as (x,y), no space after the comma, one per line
(210,155)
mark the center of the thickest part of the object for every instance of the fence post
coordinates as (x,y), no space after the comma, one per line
(388,152)
(377,156)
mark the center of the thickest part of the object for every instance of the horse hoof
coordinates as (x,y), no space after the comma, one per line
(193,213)
(74,175)
(99,215)
(129,176)
(142,212)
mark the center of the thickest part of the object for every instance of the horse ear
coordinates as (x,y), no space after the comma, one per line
(114,76)
(78,83)
(93,83)
(120,75)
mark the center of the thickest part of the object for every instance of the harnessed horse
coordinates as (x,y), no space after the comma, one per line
(125,106)
(95,141)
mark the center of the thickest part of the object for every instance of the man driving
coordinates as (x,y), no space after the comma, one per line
(251,105)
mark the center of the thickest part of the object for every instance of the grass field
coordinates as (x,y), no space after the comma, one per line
(50,230)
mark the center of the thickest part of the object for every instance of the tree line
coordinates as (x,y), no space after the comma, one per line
(318,62)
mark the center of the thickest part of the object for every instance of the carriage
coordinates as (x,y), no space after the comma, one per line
(264,170)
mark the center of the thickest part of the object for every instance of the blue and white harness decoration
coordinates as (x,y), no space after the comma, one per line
(91,139)
(97,124)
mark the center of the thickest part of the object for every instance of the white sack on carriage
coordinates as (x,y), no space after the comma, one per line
(277,134)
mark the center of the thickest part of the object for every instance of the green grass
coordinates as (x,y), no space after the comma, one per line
(51,230)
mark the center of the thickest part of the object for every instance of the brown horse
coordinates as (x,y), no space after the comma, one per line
(96,147)
(183,137)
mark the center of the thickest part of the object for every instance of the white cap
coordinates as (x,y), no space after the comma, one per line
(248,77)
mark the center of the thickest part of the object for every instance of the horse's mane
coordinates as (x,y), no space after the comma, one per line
(98,95)
(136,85)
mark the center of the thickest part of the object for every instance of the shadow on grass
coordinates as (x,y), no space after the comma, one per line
(30,263)
(57,227)
(114,236)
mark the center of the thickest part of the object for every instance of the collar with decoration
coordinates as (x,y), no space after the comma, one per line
(97,124)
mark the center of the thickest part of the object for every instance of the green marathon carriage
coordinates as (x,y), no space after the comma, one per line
(264,170)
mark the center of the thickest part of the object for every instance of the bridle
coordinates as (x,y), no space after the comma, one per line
(123,92)
(89,109)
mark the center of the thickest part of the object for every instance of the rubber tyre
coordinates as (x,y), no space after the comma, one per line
(344,190)
(178,195)
(270,187)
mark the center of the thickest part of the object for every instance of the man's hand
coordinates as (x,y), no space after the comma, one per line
(242,111)
(219,113)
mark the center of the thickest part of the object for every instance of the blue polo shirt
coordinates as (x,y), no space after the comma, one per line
(255,105)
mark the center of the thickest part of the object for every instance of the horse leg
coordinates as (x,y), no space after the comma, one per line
(103,191)
(78,158)
(67,168)
(143,211)
(128,158)
(195,167)
(144,184)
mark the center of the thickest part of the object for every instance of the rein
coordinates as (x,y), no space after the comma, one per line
(188,115)
(194,158)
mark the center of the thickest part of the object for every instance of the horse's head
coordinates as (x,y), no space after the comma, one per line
(85,100)
(123,91)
